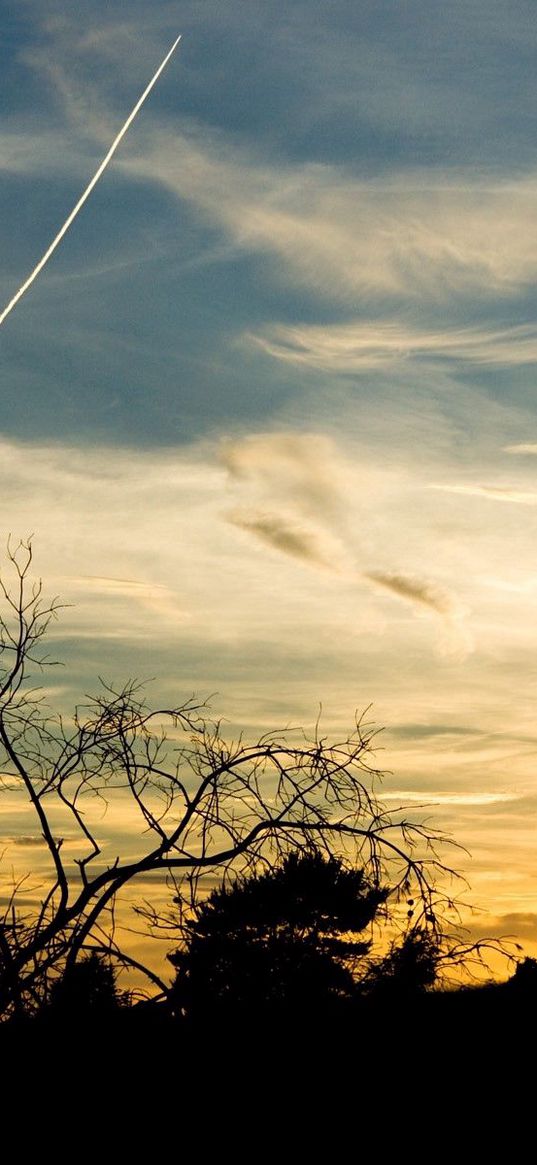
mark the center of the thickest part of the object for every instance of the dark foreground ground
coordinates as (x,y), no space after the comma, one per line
(437,1077)
(435,1028)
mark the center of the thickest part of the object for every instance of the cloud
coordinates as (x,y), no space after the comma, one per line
(35,841)
(297,484)
(424,234)
(414,233)
(26,841)
(304,467)
(448,798)
(520,449)
(455,640)
(415,590)
(286,535)
(153,596)
(368,346)
(26,153)
(520,925)
(294,486)
(492,493)
(122,586)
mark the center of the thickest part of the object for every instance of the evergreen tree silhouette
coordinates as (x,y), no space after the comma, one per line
(290,936)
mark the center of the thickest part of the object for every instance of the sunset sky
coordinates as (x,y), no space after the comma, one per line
(270,412)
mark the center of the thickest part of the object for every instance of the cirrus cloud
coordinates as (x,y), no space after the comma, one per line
(364,346)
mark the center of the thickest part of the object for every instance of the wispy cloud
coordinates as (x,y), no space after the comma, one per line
(26,841)
(410,233)
(155,597)
(367,346)
(27,153)
(35,840)
(287,535)
(455,639)
(297,483)
(448,797)
(415,590)
(292,484)
(521,450)
(423,232)
(493,493)
(305,467)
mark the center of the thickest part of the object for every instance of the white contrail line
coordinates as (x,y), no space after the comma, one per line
(28,282)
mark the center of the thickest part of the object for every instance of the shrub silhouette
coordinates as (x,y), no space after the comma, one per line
(409,968)
(86,987)
(524,979)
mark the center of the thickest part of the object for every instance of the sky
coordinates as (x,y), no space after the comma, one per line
(270,410)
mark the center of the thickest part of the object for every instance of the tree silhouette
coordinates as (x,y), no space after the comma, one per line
(290,936)
(206,806)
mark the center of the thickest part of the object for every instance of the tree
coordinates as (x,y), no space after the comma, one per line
(205,805)
(289,936)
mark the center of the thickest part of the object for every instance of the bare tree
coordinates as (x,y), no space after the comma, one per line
(205,805)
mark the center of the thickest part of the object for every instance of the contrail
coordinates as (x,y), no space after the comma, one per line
(28,282)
